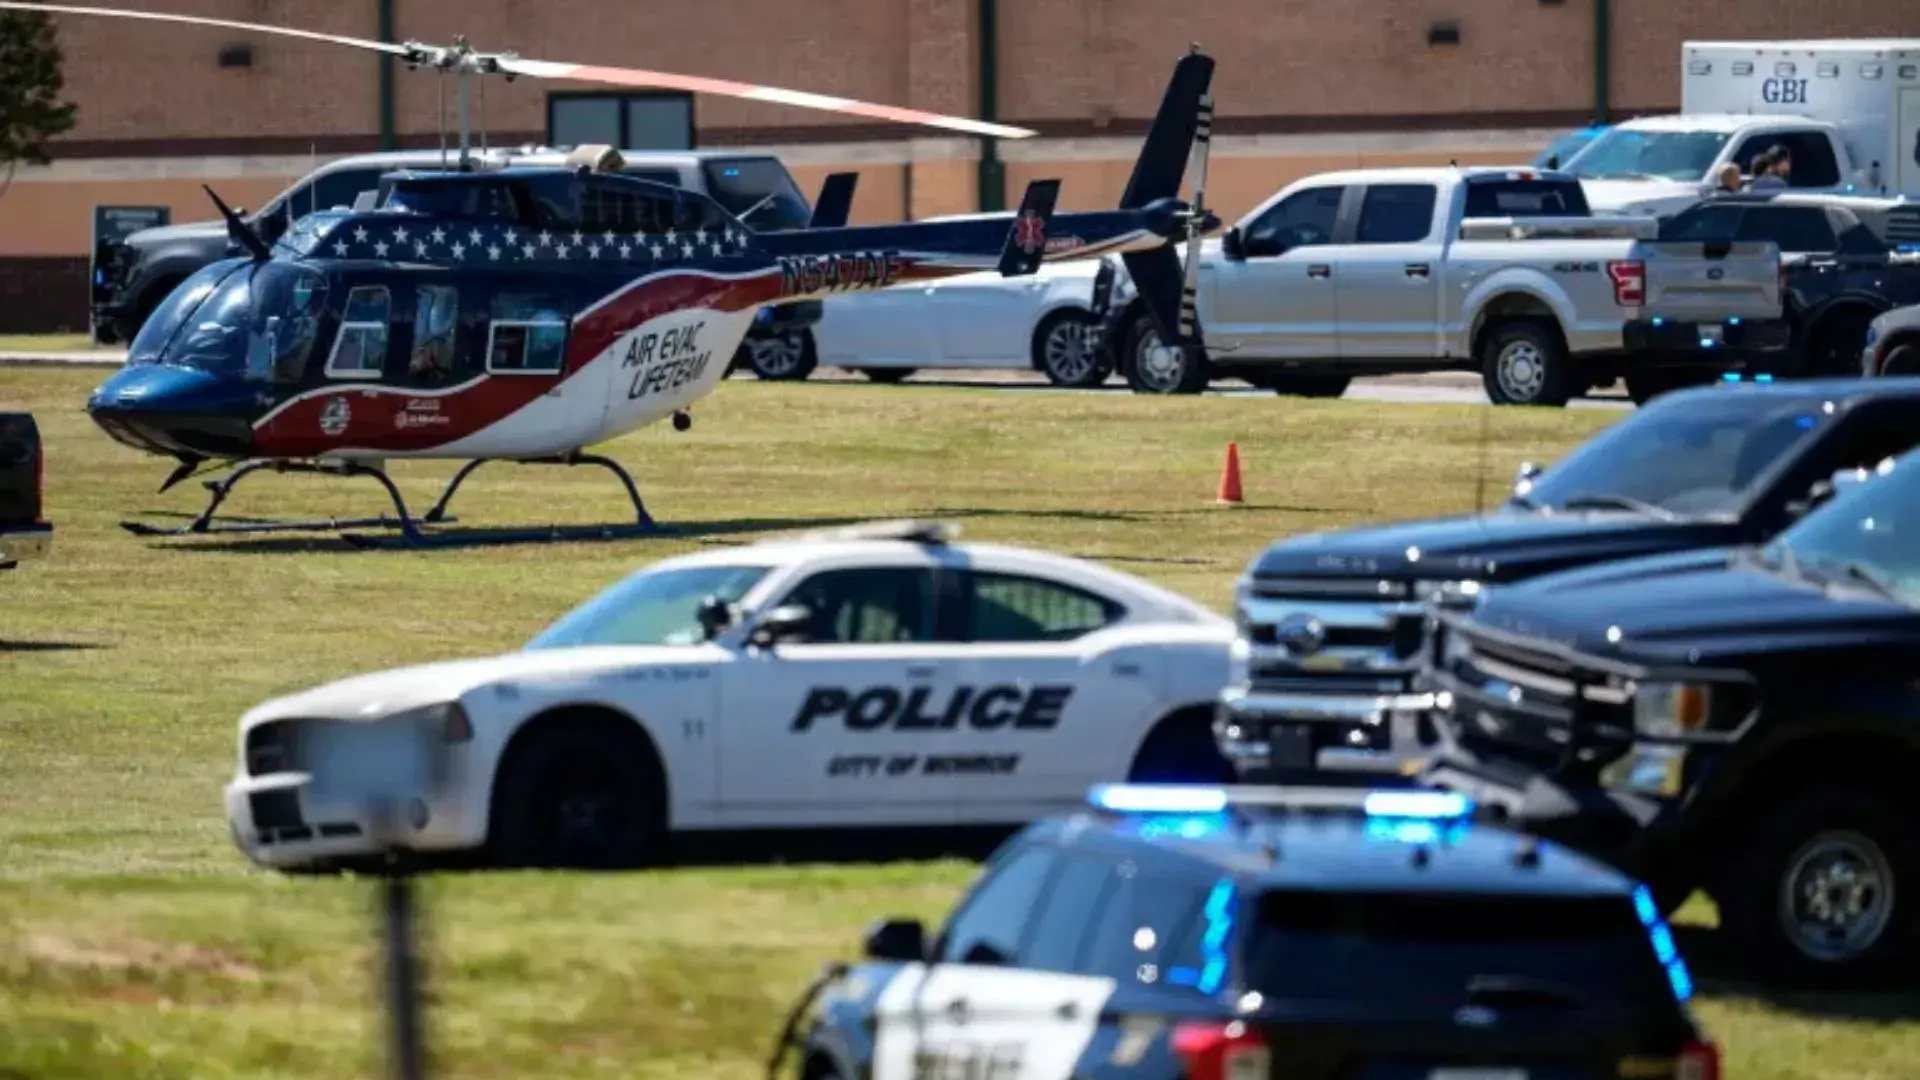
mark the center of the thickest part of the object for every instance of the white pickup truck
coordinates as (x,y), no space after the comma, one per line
(1504,271)
(1657,166)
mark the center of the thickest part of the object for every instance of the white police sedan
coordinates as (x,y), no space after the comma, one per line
(875,676)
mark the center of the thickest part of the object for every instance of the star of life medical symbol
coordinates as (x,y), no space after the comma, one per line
(1030,233)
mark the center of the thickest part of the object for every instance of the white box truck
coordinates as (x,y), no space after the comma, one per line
(1847,111)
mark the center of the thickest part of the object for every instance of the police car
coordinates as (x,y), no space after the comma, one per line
(1210,933)
(884,675)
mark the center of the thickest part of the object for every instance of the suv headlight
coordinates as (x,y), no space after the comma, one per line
(1448,594)
(1664,710)
(445,719)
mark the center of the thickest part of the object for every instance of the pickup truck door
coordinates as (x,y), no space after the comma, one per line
(1388,277)
(1277,297)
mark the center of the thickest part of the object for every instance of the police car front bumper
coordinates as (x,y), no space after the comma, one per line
(1333,738)
(286,821)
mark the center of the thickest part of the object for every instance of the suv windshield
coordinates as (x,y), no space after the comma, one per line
(1416,948)
(759,192)
(650,608)
(1687,455)
(1622,154)
(1864,537)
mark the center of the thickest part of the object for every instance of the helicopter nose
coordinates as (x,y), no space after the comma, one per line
(171,410)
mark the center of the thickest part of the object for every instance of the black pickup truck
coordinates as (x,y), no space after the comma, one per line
(1743,720)
(24,531)
(1333,625)
(1844,260)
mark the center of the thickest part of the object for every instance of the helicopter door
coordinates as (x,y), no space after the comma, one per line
(527,332)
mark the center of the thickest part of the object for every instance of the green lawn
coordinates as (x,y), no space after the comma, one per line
(135,942)
(49,343)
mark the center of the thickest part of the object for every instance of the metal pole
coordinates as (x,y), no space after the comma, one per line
(1602,60)
(402,976)
(993,180)
(465,136)
(388,138)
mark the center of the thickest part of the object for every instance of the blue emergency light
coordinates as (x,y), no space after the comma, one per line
(1425,805)
(1199,799)
(1664,948)
(1157,799)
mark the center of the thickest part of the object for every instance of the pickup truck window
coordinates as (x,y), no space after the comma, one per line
(1397,213)
(1627,154)
(1526,198)
(1707,222)
(1696,457)
(1302,219)
(1812,153)
(1797,229)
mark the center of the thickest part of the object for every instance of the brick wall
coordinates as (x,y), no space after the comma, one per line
(43,296)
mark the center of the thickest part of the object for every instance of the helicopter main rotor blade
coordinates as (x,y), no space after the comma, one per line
(196,20)
(547,69)
(663,80)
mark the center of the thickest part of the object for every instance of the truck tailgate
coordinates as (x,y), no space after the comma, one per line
(1708,281)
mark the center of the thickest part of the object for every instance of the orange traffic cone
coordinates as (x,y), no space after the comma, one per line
(1230,477)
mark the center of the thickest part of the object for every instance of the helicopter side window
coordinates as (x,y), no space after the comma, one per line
(606,208)
(436,320)
(528,335)
(360,348)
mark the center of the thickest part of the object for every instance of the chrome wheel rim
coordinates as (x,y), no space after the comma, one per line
(1521,370)
(1158,371)
(776,356)
(1837,897)
(1067,351)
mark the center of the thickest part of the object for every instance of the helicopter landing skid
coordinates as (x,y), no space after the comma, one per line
(412,536)
(204,523)
(410,532)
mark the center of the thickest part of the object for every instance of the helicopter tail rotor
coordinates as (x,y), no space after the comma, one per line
(1181,135)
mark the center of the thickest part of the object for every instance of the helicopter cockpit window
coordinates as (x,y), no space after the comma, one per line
(528,335)
(436,319)
(610,208)
(360,348)
(289,301)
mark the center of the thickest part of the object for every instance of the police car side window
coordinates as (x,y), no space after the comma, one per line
(1140,927)
(988,927)
(870,605)
(1010,607)
(1054,942)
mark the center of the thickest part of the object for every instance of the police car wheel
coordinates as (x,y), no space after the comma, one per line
(780,358)
(1181,749)
(1903,360)
(581,793)
(1063,350)
(1820,892)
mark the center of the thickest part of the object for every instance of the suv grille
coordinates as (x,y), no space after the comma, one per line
(1355,636)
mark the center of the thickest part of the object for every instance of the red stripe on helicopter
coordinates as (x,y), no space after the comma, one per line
(401,419)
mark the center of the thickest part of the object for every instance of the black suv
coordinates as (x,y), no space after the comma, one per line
(1213,933)
(1744,720)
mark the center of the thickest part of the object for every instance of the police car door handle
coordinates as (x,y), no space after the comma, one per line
(1126,668)
(923,671)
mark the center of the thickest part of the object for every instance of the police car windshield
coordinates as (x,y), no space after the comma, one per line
(1416,948)
(1695,455)
(1638,155)
(650,608)
(1864,538)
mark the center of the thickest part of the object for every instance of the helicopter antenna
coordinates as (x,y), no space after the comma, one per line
(440,114)
(239,230)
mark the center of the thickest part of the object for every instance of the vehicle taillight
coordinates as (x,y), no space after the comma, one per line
(1698,1061)
(1629,282)
(1230,1051)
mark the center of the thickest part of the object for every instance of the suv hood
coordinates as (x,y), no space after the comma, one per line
(1503,546)
(167,234)
(381,694)
(1700,607)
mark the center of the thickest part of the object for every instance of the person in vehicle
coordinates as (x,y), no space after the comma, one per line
(1730,180)
(1771,167)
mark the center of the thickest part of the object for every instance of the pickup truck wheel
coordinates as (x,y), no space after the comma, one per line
(1063,350)
(1149,371)
(1821,891)
(1524,363)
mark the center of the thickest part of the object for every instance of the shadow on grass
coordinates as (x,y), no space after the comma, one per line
(47,646)
(320,541)
(1124,516)
(1718,973)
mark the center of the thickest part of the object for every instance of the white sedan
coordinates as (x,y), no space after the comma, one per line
(977,322)
(879,676)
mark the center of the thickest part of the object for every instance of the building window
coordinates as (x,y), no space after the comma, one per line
(648,121)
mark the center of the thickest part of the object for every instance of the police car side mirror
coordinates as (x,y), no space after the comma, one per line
(787,623)
(901,940)
(1233,243)
(715,616)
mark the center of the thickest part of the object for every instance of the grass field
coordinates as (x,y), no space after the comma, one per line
(48,343)
(135,942)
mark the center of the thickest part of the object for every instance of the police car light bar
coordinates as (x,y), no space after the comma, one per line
(1206,799)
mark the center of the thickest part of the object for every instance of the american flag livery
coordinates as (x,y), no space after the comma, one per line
(407,239)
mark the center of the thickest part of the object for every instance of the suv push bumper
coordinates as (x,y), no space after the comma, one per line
(1634,832)
(1366,739)
(1689,342)
(23,542)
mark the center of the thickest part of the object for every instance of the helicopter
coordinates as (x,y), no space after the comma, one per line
(521,314)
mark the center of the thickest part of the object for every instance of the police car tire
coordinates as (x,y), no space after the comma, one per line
(1753,887)
(545,766)
(1181,749)
(1903,360)
(802,367)
(1097,371)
